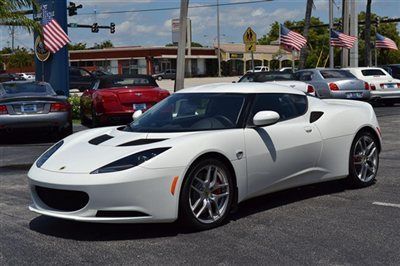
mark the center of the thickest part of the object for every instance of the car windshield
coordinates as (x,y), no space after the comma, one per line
(336,74)
(30,88)
(373,72)
(267,76)
(191,112)
(120,82)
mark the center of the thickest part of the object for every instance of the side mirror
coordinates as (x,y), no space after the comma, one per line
(265,118)
(137,114)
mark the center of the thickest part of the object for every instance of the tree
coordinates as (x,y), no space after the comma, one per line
(77,46)
(304,51)
(367,54)
(20,58)
(104,44)
(10,14)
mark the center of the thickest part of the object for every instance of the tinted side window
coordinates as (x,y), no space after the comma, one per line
(305,76)
(74,72)
(288,106)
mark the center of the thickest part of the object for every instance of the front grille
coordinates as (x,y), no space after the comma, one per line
(62,200)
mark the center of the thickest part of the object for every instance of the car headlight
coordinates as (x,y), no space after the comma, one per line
(130,161)
(45,156)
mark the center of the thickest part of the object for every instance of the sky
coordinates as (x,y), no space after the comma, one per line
(154,28)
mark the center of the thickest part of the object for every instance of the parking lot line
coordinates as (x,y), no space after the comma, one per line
(386,204)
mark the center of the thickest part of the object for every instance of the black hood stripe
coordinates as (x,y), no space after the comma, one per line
(100,139)
(140,142)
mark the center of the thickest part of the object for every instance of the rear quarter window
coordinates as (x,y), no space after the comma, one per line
(373,72)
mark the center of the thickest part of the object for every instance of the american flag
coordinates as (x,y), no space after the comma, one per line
(339,39)
(54,36)
(292,39)
(384,42)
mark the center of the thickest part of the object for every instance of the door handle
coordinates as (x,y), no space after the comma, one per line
(308,129)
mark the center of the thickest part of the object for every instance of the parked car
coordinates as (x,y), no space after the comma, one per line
(383,86)
(30,104)
(80,79)
(287,69)
(202,151)
(98,73)
(9,77)
(258,69)
(335,83)
(283,78)
(112,99)
(393,70)
(26,76)
(167,74)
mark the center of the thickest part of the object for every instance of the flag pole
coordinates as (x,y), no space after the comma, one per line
(331,54)
(293,60)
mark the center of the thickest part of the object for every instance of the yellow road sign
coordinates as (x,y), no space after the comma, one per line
(250,40)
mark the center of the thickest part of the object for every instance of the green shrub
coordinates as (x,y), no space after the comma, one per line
(74,100)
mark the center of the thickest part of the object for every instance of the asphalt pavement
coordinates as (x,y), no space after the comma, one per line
(326,224)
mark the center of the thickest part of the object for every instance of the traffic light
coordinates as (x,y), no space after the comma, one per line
(95,27)
(112,27)
(72,9)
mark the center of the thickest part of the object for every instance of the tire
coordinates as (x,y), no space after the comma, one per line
(84,120)
(364,160)
(95,119)
(209,209)
(159,78)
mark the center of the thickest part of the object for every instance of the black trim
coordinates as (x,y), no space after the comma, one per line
(127,214)
(314,116)
(100,139)
(140,142)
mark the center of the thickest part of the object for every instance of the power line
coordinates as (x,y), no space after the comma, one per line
(175,8)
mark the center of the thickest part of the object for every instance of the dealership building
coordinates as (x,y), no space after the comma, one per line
(200,61)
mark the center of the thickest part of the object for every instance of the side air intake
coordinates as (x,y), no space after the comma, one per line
(100,139)
(140,142)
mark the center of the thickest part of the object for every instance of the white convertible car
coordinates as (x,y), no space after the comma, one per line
(201,151)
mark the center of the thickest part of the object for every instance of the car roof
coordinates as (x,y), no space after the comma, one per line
(362,68)
(114,76)
(245,88)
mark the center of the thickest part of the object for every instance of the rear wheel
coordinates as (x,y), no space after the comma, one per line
(159,78)
(364,160)
(207,195)
(95,118)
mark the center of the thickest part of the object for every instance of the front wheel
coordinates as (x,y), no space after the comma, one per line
(207,195)
(364,160)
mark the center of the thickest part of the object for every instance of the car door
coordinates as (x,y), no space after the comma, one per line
(284,154)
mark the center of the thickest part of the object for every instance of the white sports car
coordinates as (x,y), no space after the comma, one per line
(201,151)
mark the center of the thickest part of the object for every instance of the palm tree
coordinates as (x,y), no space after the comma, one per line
(367,55)
(307,21)
(11,14)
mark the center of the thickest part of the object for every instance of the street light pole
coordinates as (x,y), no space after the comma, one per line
(180,61)
(219,42)
(331,54)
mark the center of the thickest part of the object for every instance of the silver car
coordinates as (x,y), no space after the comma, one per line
(30,104)
(335,83)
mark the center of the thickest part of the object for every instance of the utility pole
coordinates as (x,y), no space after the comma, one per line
(180,61)
(367,37)
(12,38)
(218,42)
(353,32)
(331,54)
(345,28)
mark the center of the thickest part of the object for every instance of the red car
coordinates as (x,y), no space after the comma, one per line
(112,99)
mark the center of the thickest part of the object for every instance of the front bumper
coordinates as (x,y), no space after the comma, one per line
(137,190)
(364,95)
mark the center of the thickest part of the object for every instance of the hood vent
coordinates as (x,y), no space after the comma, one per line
(100,139)
(140,142)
